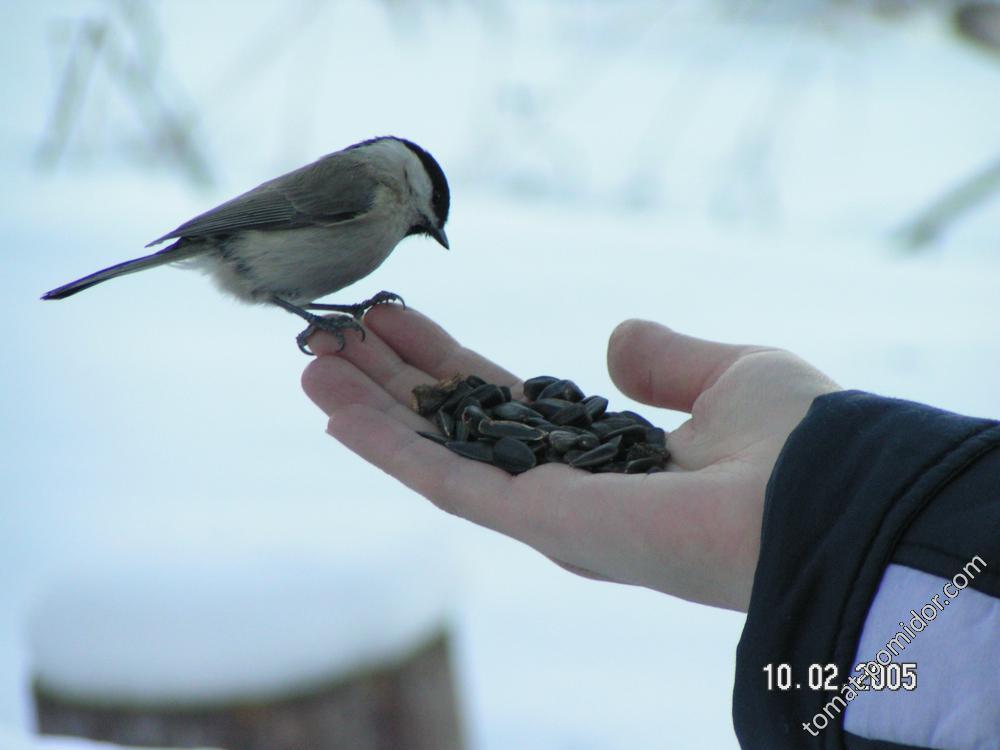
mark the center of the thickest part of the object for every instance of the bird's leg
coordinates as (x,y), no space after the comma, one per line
(335,325)
(361,308)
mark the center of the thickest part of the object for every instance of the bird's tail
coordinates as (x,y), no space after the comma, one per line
(178,251)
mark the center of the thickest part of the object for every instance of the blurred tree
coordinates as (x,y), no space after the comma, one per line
(121,50)
(977,23)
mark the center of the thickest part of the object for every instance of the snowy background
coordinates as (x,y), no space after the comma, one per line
(737,174)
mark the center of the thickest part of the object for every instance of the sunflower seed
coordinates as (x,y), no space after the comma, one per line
(499,428)
(595,406)
(606,425)
(541,423)
(645,450)
(460,392)
(427,399)
(473,415)
(446,423)
(477,451)
(513,456)
(487,395)
(632,433)
(433,437)
(571,414)
(466,401)
(617,419)
(563,441)
(602,454)
(656,436)
(640,465)
(600,429)
(553,456)
(564,389)
(556,424)
(549,406)
(534,386)
(638,418)
(514,410)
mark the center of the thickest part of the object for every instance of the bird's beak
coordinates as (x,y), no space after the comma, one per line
(440,236)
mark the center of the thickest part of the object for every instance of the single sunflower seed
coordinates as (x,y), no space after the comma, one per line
(433,437)
(477,451)
(534,386)
(513,456)
(500,428)
(602,454)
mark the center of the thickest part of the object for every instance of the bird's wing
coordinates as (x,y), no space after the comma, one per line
(335,188)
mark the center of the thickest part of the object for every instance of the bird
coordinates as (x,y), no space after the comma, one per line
(309,233)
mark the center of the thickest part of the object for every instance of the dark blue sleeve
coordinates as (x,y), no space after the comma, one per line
(864,483)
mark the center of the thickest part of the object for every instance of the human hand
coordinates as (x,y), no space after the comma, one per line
(692,531)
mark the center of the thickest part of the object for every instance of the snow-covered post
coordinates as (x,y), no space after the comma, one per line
(254,654)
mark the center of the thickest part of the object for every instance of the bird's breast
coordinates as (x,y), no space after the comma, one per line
(303,264)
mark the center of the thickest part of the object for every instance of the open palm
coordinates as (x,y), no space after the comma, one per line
(692,531)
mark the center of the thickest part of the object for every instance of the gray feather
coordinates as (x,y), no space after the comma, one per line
(336,188)
(180,250)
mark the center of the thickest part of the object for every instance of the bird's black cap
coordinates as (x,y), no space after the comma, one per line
(441,198)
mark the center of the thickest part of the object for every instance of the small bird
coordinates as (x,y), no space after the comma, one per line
(309,233)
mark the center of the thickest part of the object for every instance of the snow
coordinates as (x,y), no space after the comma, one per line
(607,161)
(206,628)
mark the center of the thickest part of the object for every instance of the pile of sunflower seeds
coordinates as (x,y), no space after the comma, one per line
(556,424)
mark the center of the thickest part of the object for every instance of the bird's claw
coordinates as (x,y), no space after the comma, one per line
(334,325)
(382,298)
(358,310)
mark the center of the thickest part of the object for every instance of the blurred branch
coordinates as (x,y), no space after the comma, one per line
(979,23)
(934,219)
(80,62)
(130,53)
(138,74)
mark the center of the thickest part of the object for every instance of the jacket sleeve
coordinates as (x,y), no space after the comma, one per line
(880,544)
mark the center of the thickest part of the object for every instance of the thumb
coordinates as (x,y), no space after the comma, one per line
(655,365)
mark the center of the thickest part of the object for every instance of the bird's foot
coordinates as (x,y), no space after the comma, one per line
(335,325)
(358,310)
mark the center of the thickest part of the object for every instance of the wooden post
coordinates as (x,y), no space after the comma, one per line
(410,704)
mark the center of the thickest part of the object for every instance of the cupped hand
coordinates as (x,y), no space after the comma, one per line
(692,531)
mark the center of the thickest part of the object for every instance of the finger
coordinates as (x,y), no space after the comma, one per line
(395,338)
(425,345)
(376,359)
(655,365)
(323,343)
(334,383)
